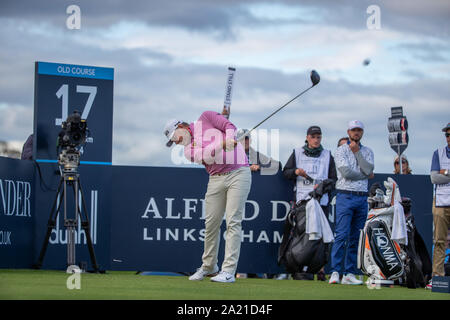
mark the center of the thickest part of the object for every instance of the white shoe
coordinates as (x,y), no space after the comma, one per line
(200,274)
(223,277)
(351,279)
(334,279)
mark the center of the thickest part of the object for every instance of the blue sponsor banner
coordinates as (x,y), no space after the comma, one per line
(78,71)
(159,220)
(17,213)
(160,211)
(95,188)
(152,218)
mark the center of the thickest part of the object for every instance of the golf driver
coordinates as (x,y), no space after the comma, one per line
(315,79)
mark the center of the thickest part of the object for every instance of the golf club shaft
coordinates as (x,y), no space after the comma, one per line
(238,138)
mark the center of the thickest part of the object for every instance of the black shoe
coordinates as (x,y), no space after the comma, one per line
(303,276)
(321,276)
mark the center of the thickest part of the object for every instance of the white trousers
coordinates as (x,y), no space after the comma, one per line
(226,195)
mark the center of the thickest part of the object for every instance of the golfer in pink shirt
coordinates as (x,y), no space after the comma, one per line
(211,141)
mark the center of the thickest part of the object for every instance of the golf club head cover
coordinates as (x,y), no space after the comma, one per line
(392,192)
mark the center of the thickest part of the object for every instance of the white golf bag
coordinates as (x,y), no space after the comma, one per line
(380,255)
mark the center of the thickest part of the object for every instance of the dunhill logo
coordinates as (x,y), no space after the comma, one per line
(59,234)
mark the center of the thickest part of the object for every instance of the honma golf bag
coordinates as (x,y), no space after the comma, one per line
(297,252)
(379,255)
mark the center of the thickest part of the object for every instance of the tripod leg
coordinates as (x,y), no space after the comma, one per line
(86,228)
(70,224)
(50,225)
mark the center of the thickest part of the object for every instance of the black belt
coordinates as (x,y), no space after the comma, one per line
(355,193)
(222,174)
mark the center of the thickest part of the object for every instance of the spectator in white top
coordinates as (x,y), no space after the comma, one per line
(354,164)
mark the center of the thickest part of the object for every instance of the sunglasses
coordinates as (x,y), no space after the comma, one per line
(447,134)
(403,161)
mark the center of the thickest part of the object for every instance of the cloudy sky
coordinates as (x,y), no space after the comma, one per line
(171,58)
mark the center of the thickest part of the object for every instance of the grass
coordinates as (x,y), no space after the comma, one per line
(115,285)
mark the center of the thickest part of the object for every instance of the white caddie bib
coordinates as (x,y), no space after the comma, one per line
(443,190)
(316,168)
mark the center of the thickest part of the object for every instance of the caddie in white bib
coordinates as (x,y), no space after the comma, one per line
(443,190)
(316,168)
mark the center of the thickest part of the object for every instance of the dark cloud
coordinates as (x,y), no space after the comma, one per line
(193,15)
(409,16)
(414,16)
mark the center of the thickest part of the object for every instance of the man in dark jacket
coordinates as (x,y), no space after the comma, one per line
(27,150)
(308,167)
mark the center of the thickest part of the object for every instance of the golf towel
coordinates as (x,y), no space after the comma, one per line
(394,198)
(399,232)
(316,223)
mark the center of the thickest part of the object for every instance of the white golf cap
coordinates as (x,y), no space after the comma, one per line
(169,130)
(355,124)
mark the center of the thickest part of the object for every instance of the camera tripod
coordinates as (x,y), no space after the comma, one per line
(69,177)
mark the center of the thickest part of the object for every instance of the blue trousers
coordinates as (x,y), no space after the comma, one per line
(351,215)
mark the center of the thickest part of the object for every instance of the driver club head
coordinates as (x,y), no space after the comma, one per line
(315,78)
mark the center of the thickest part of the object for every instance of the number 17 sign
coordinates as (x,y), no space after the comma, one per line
(60,89)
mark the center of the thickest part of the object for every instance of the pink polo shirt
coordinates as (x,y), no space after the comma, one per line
(209,131)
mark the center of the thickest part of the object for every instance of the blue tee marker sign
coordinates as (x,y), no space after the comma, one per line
(60,89)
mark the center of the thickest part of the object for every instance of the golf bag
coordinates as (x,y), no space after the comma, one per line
(379,256)
(297,253)
(418,266)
